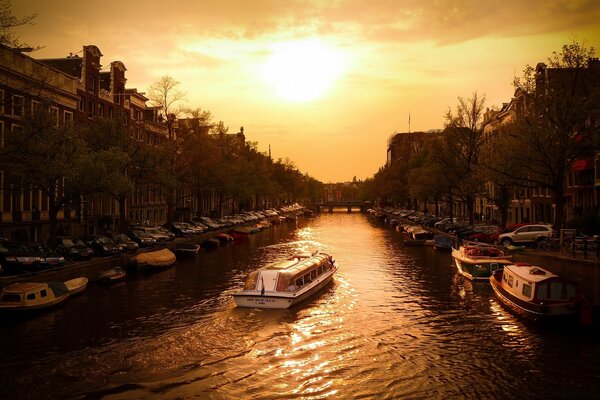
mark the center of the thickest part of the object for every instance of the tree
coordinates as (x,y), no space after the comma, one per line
(164,93)
(457,150)
(7,24)
(558,120)
(44,155)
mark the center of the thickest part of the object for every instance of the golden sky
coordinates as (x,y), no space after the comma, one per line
(325,83)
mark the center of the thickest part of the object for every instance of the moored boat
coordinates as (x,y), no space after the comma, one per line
(112,275)
(418,237)
(153,260)
(242,232)
(186,249)
(32,295)
(211,243)
(479,261)
(442,243)
(224,238)
(76,285)
(535,292)
(283,284)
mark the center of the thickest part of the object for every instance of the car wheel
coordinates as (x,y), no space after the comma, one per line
(505,241)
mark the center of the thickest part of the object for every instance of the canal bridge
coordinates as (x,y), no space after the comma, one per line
(349,205)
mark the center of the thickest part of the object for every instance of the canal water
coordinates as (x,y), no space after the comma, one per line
(397,322)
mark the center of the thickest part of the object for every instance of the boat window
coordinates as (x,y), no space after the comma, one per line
(250,283)
(504,277)
(43,293)
(571,291)
(542,290)
(30,296)
(526,290)
(299,282)
(510,281)
(556,291)
(283,282)
(11,298)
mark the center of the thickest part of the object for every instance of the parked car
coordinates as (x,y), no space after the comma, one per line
(167,232)
(210,223)
(141,237)
(74,249)
(123,241)
(16,258)
(526,234)
(102,245)
(180,228)
(154,233)
(48,258)
(484,234)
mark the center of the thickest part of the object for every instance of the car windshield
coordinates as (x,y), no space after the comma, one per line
(67,242)
(103,239)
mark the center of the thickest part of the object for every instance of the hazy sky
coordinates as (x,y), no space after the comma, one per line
(325,83)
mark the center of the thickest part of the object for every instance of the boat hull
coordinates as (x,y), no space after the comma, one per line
(76,285)
(113,275)
(255,299)
(536,311)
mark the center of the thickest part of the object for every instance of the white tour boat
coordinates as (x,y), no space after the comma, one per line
(283,284)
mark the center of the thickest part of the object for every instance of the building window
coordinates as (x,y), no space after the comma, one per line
(91,106)
(68,118)
(93,84)
(81,103)
(100,109)
(35,107)
(54,115)
(18,106)
(1,101)
(1,135)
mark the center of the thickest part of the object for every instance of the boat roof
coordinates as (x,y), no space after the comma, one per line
(21,287)
(298,262)
(529,272)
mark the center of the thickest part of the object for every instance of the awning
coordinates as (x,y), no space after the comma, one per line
(580,165)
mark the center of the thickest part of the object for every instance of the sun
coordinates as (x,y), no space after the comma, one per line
(302,70)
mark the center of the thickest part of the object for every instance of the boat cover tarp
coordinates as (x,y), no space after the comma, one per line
(58,288)
(157,258)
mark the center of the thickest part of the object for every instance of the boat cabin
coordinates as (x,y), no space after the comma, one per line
(535,284)
(27,294)
(290,275)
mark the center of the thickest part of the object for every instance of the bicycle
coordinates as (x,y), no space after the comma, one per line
(549,244)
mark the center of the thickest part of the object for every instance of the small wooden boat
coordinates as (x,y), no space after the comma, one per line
(442,243)
(76,285)
(112,275)
(211,243)
(186,249)
(418,237)
(153,260)
(479,261)
(283,284)
(264,224)
(224,238)
(32,295)
(242,232)
(535,292)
